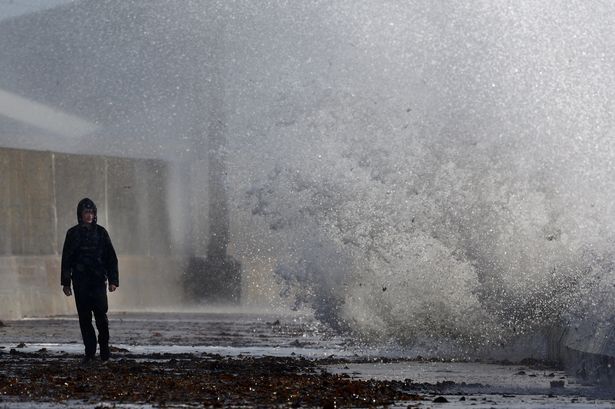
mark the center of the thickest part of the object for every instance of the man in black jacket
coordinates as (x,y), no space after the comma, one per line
(89,261)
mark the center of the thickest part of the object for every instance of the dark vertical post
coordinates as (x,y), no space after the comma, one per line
(217,278)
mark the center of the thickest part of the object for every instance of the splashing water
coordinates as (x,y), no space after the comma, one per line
(436,174)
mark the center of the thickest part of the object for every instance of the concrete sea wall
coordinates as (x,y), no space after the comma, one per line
(39,192)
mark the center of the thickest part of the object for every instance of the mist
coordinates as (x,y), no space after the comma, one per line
(417,172)
(405,170)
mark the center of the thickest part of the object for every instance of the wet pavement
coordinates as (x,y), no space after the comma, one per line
(243,359)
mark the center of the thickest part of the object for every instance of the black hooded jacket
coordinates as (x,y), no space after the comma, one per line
(88,257)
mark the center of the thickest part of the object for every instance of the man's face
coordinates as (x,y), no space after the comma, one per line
(87,216)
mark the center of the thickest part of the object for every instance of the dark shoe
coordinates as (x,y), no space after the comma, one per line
(87,360)
(105,353)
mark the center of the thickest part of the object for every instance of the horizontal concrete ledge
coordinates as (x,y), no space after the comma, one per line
(31,285)
(589,368)
(586,350)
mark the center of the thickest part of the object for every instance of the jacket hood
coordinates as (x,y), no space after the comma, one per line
(85,204)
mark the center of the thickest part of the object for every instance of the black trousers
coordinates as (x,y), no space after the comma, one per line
(93,300)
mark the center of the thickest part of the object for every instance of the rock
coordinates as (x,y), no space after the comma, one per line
(440,399)
(329,404)
(557,384)
(297,343)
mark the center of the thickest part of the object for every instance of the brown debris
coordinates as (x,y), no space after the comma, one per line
(210,380)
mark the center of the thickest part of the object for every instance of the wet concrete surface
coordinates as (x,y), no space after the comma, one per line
(249,359)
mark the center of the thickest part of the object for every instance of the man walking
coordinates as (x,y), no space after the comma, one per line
(89,261)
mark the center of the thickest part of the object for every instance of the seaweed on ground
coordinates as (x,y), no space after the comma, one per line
(210,380)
